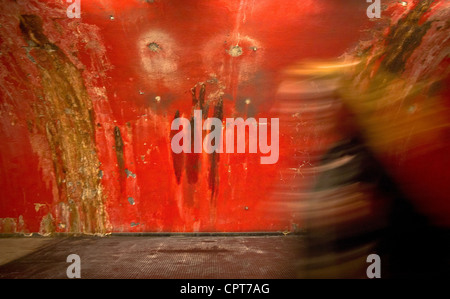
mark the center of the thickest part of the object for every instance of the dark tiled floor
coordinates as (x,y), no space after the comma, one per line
(237,257)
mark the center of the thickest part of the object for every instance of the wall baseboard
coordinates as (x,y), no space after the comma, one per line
(152,234)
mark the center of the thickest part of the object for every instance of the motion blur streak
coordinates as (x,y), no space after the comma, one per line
(379,183)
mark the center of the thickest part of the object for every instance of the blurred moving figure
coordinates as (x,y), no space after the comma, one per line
(356,207)
(347,211)
(376,126)
(381,185)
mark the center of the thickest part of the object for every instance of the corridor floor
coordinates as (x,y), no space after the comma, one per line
(182,257)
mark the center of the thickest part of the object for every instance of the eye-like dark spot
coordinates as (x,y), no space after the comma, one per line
(154,47)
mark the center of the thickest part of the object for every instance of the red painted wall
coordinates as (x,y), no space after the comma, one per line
(135,90)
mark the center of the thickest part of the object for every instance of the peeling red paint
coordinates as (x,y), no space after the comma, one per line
(137,71)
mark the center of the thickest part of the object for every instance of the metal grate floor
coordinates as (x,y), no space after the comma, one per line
(211,257)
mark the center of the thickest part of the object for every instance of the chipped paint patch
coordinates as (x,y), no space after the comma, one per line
(131,201)
(63,216)
(130,174)
(8,225)
(37,206)
(235,51)
(47,226)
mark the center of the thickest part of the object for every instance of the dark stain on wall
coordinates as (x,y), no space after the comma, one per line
(199,103)
(118,147)
(177,159)
(213,178)
(191,161)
